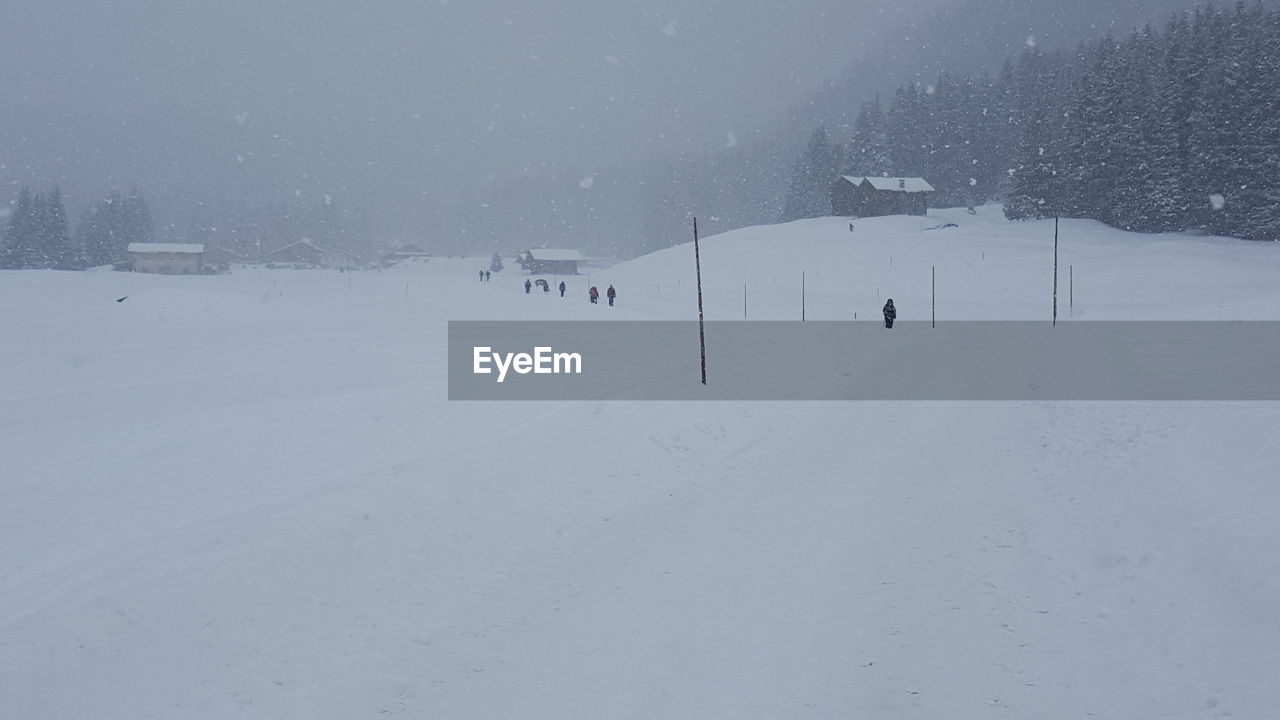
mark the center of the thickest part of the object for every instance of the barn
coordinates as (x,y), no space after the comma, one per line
(306,254)
(167,258)
(298,254)
(875,196)
(551,261)
(223,256)
(409,252)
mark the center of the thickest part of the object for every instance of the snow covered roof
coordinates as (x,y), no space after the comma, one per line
(911,185)
(165,248)
(408,249)
(554,254)
(304,242)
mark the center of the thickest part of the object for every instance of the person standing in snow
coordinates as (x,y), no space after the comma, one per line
(890,313)
(527,286)
(611,293)
(486,276)
(594,294)
(561,288)
(481,276)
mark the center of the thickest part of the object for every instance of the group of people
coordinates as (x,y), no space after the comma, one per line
(484,276)
(890,312)
(593,293)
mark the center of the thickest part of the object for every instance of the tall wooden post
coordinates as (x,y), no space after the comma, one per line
(744,301)
(1071,290)
(702,337)
(801,296)
(933,300)
(1055,268)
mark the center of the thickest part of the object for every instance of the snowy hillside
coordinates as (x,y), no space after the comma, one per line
(247,496)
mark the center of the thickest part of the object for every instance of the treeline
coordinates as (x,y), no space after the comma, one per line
(1162,130)
(38,236)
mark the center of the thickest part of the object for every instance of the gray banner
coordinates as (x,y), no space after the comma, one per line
(749,360)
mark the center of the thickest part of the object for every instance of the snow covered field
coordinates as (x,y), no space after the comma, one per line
(246,496)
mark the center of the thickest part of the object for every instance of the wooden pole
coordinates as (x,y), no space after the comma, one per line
(801,296)
(744,301)
(1055,268)
(702,337)
(933,301)
(1071,290)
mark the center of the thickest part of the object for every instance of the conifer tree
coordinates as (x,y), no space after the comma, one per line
(810,192)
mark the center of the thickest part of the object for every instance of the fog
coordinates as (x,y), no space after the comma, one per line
(473,125)
(378,103)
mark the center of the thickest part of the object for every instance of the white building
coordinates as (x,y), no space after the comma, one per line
(167,258)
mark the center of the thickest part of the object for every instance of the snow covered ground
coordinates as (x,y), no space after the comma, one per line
(247,496)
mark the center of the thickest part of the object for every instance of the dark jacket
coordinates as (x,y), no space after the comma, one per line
(890,312)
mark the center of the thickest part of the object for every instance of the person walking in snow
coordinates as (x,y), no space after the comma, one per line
(527,286)
(611,294)
(890,313)
(594,294)
(561,288)
(486,276)
(481,276)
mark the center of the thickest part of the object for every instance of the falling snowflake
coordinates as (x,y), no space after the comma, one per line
(1031,41)
(586,182)
(1217,201)
(730,139)
(669,29)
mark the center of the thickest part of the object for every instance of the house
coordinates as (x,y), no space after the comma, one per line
(340,259)
(551,261)
(305,253)
(223,256)
(166,258)
(411,253)
(301,253)
(874,196)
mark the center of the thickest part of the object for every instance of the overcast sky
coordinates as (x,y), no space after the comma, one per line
(437,91)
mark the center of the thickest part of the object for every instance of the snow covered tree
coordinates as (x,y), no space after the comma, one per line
(1037,183)
(20,237)
(810,191)
(136,222)
(495,263)
(868,150)
(105,230)
(38,236)
(54,233)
